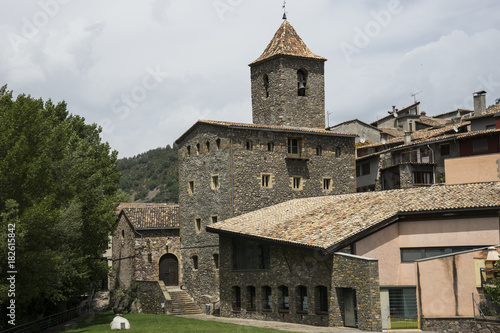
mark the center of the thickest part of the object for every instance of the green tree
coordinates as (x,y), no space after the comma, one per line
(58,185)
(493,289)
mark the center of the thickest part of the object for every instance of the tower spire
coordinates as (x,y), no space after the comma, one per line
(284,9)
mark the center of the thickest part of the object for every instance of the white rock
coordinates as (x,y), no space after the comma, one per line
(120,323)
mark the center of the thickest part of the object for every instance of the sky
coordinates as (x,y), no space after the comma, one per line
(146,71)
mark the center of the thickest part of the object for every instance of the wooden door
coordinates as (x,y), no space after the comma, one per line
(169,270)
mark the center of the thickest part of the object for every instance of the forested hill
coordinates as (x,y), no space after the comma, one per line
(151,176)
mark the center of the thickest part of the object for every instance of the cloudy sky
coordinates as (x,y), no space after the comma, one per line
(147,70)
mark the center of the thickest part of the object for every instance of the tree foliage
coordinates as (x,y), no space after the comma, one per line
(493,289)
(58,185)
(151,176)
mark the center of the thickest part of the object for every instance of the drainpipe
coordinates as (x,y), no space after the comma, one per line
(142,249)
(433,167)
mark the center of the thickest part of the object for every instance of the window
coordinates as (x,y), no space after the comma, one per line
(321,299)
(267,298)
(297,183)
(293,147)
(480,145)
(216,260)
(250,293)
(197,224)
(283,300)
(188,148)
(270,146)
(191,187)
(195,262)
(198,149)
(412,254)
(266,85)
(338,152)
(403,302)
(150,258)
(327,184)
(248,145)
(365,169)
(236,291)
(301,82)
(215,218)
(217,143)
(301,293)
(319,151)
(445,149)
(250,255)
(421,177)
(266,180)
(215,182)
(207,144)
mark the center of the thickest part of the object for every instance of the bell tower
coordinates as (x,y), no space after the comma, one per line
(288,85)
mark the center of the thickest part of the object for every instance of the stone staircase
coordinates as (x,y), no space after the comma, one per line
(182,304)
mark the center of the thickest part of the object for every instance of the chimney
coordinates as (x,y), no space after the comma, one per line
(423,113)
(407,137)
(479,102)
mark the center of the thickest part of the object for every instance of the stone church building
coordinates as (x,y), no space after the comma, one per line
(227,169)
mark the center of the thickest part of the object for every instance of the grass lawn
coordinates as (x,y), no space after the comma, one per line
(144,323)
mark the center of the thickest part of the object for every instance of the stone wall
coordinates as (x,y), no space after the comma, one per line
(461,325)
(283,99)
(294,267)
(123,254)
(151,296)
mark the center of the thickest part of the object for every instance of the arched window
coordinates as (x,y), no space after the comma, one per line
(321,299)
(266,85)
(250,295)
(236,291)
(266,298)
(302,306)
(301,82)
(207,144)
(283,303)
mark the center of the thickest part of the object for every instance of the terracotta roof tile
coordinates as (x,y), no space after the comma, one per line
(286,42)
(151,215)
(327,223)
(489,112)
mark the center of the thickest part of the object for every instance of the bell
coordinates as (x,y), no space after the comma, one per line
(301,85)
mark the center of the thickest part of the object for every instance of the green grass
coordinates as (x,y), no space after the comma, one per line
(404,324)
(145,323)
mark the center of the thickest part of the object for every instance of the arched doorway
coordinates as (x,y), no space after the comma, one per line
(169,270)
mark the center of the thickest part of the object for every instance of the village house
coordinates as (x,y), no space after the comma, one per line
(333,246)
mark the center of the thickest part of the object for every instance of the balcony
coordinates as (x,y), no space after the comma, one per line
(408,157)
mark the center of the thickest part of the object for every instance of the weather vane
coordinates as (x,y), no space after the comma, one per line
(284,10)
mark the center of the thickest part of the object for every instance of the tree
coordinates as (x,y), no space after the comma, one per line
(58,185)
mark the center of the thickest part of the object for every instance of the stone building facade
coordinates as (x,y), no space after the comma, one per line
(146,244)
(228,169)
(299,285)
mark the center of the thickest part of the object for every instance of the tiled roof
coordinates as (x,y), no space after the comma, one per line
(354,121)
(264,127)
(286,42)
(489,112)
(330,222)
(151,215)
(398,112)
(392,131)
(432,121)
(446,114)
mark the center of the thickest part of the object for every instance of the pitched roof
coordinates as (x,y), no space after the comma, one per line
(305,130)
(329,223)
(151,215)
(354,121)
(286,42)
(375,123)
(491,111)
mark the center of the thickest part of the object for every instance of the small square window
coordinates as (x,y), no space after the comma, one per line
(266,180)
(215,218)
(191,187)
(327,184)
(297,183)
(248,145)
(270,146)
(197,224)
(319,151)
(215,182)
(293,147)
(445,149)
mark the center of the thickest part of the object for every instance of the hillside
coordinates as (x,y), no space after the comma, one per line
(151,176)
